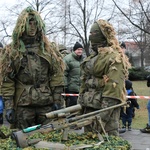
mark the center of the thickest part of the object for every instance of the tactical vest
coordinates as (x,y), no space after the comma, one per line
(103,78)
(32,80)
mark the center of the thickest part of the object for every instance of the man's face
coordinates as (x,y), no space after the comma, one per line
(79,51)
(32,28)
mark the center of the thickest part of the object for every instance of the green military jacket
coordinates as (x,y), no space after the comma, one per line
(72,72)
(33,81)
(103,76)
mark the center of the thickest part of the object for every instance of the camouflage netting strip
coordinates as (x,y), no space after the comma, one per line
(74,139)
(110,34)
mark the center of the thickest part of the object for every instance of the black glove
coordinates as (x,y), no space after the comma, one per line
(10,116)
(56,107)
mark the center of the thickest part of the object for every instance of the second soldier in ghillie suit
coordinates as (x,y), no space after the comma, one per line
(31,73)
(104,76)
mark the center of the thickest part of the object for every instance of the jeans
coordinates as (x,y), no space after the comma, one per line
(148,108)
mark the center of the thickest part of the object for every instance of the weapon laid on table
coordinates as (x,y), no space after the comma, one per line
(61,120)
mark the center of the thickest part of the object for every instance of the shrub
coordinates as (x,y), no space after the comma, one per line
(138,73)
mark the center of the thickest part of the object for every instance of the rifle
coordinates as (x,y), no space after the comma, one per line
(61,120)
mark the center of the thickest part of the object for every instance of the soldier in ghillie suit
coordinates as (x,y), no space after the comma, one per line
(31,73)
(104,76)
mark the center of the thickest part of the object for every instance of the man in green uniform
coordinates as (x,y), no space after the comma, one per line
(104,73)
(31,73)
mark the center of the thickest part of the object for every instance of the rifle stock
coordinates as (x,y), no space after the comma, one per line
(60,122)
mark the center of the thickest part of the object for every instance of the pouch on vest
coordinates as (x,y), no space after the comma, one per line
(92,99)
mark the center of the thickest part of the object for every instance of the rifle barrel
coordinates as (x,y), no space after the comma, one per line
(95,112)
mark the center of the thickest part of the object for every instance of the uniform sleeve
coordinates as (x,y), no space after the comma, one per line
(114,77)
(57,86)
(8,90)
(66,72)
(83,79)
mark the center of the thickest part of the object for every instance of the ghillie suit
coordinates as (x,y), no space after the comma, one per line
(105,71)
(31,73)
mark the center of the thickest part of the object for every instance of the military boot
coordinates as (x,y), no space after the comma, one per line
(146,130)
(1,118)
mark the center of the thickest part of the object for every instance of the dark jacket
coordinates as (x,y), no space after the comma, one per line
(72,72)
(134,102)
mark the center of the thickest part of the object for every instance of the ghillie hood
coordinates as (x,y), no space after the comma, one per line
(113,44)
(17,48)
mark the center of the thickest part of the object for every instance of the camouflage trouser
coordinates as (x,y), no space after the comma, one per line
(30,116)
(109,118)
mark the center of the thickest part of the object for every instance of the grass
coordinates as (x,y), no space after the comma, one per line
(141,115)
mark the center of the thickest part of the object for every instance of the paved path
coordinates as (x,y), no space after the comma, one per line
(138,140)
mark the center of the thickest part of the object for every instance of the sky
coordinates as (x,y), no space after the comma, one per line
(9,3)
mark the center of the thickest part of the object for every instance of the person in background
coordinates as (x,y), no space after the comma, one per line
(63,50)
(147,128)
(103,79)
(31,73)
(123,45)
(127,112)
(72,73)
(1,99)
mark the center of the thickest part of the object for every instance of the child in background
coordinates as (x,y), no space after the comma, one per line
(1,99)
(1,110)
(127,114)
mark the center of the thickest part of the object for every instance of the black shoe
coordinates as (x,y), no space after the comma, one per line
(129,128)
(123,130)
(146,130)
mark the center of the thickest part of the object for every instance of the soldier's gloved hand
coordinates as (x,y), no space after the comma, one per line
(56,107)
(10,116)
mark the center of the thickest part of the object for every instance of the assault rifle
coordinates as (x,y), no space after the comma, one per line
(61,120)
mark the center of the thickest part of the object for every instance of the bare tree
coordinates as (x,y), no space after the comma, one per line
(135,7)
(67,21)
(138,15)
(82,14)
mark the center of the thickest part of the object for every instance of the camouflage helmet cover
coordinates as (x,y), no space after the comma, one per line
(108,31)
(23,23)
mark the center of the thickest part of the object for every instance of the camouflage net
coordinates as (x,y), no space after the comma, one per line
(114,143)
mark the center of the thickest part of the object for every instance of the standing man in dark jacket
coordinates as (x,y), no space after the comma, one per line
(73,73)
